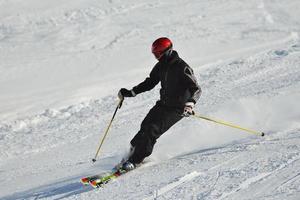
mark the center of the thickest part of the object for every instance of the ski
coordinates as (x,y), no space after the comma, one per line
(88,179)
(99,182)
(101,179)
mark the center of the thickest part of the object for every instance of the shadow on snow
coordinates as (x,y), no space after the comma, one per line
(57,190)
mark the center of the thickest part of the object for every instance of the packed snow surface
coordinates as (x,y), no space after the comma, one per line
(63,62)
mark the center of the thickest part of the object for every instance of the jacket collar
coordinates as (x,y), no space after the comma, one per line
(169,59)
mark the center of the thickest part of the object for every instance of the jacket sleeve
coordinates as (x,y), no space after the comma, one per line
(149,83)
(192,84)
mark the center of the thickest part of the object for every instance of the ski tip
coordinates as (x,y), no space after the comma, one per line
(84,181)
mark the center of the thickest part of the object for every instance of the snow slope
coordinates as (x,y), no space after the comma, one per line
(62,64)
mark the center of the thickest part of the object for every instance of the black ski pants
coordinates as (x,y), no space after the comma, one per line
(159,119)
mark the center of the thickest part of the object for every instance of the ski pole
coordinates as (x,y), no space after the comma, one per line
(107,129)
(230,125)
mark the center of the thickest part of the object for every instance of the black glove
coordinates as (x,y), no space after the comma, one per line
(125,93)
(188,109)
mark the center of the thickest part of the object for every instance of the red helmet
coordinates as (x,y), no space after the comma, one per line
(161,46)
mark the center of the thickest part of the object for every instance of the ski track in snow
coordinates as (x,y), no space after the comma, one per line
(186,178)
(259,177)
(249,74)
(170,186)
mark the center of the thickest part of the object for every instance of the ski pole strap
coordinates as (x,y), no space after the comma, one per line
(107,129)
(229,124)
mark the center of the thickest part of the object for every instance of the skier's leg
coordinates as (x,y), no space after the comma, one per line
(158,121)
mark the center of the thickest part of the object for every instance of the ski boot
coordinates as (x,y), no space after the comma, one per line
(127,166)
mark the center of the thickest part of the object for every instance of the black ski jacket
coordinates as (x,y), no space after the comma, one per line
(178,83)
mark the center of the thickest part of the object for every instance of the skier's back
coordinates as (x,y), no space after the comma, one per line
(178,94)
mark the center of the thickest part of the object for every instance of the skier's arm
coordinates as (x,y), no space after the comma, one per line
(192,84)
(149,83)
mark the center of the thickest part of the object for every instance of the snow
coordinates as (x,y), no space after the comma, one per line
(62,64)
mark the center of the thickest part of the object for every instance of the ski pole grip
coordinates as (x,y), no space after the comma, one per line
(120,103)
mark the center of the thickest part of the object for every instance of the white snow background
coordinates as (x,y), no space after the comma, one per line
(63,62)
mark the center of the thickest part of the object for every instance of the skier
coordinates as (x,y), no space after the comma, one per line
(178,94)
